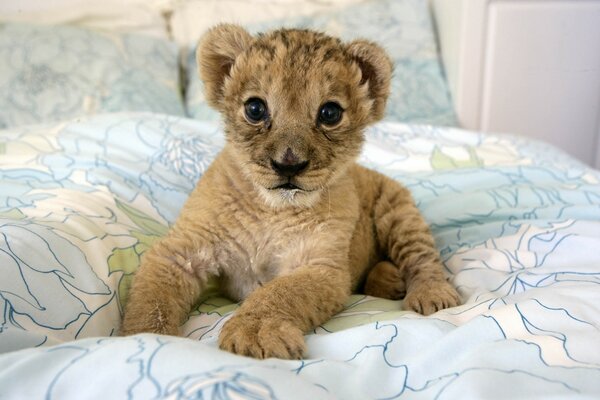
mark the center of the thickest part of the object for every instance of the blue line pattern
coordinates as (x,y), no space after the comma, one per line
(517,223)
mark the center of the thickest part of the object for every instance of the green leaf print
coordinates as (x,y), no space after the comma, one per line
(371,304)
(127,260)
(124,285)
(146,223)
(361,309)
(13,213)
(124,260)
(144,241)
(440,160)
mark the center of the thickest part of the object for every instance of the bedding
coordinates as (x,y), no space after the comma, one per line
(419,92)
(50,73)
(517,223)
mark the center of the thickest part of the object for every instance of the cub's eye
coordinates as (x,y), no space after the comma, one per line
(255,109)
(330,113)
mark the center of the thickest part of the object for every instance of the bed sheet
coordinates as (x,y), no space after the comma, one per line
(517,223)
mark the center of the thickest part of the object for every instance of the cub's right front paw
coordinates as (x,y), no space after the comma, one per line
(256,337)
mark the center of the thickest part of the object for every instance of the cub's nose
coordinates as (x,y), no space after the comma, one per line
(290,165)
(288,170)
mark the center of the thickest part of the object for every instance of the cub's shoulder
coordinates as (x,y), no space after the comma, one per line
(372,185)
(366,178)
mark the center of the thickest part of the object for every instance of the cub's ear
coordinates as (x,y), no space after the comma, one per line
(376,68)
(215,55)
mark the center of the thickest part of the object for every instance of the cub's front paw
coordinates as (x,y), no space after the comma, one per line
(250,335)
(427,298)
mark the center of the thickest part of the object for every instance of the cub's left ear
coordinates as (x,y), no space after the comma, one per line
(376,68)
(216,55)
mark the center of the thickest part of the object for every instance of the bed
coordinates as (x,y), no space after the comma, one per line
(95,166)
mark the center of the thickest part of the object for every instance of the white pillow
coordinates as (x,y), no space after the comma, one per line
(190,19)
(119,16)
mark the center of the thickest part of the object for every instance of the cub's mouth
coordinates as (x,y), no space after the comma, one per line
(282,191)
(287,186)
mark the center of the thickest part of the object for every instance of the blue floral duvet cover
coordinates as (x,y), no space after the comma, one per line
(517,224)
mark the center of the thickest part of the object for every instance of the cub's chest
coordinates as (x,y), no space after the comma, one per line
(257,248)
(261,241)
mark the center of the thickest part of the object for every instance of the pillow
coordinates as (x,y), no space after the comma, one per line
(50,73)
(191,18)
(419,89)
(131,16)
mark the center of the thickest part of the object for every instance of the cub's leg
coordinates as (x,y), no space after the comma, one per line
(273,319)
(165,287)
(404,236)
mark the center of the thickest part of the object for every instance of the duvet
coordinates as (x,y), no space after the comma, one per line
(517,224)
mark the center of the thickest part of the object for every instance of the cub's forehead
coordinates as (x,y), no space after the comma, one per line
(299,49)
(295,62)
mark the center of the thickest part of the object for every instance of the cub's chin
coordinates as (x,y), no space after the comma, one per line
(289,195)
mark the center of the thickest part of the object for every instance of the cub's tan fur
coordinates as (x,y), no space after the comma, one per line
(293,255)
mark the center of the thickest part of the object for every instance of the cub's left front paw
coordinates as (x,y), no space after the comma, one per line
(250,335)
(428,298)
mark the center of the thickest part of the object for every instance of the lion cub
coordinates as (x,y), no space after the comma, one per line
(284,217)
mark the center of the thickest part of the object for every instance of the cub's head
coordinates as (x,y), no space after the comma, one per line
(295,104)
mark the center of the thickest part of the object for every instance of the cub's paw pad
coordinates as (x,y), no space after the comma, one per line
(262,338)
(429,298)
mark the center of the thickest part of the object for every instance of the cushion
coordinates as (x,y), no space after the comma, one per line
(50,73)
(131,16)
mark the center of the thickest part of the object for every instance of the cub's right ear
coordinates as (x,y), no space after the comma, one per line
(216,53)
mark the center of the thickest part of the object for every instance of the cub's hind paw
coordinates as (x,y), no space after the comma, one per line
(249,335)
(385,281)
(428,298)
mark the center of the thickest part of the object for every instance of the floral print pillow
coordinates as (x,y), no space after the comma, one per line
(51,73)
